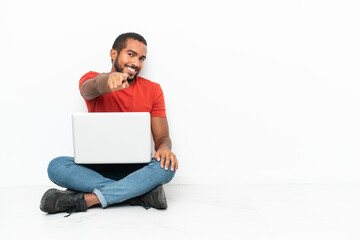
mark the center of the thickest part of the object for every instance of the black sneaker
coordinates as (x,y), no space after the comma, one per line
(54,201)
(155,198)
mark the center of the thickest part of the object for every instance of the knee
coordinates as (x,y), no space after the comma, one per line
(168,175)
(165,176)
(56,165)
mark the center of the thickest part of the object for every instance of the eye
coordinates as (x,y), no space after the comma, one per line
(131,54)
(142,59)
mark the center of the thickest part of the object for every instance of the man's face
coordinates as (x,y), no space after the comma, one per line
(130,60)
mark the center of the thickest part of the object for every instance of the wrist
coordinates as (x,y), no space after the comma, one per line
(164,145)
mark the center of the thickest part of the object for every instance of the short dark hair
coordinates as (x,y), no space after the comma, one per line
(120,41)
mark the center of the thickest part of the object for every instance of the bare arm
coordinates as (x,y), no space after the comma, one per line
(160,131)
(103,84)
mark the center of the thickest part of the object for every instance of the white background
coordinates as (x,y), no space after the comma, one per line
(256,91)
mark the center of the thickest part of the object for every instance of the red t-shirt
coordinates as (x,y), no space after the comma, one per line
(141,96)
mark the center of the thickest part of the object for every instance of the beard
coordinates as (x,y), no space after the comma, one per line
(120,69)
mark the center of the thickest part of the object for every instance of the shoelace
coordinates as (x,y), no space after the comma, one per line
(144,204)
(69,207)
(72,210)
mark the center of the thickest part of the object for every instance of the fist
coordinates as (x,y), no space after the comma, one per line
(117,81)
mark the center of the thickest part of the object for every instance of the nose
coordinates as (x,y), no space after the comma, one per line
(135,63)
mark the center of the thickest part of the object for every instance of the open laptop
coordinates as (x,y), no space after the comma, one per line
(120,137)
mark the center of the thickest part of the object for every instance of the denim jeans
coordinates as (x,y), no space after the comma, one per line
(112,183)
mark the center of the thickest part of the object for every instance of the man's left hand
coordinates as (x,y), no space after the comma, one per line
(165,155)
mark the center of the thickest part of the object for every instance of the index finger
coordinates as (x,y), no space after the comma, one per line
(125,83)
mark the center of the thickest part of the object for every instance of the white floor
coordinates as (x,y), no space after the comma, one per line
(243,212)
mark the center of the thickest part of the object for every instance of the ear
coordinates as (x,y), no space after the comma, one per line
(113,54)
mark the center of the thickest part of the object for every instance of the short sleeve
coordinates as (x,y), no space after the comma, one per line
(89,103)
(158,108)
(87,76)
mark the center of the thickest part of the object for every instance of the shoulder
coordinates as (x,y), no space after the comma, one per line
(143,82)
(87,76)
(147,82)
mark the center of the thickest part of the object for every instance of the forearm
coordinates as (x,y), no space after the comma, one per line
(164,154)
(95,87)
(160,130)
(163,142)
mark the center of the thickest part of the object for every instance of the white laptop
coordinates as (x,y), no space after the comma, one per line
(121,137)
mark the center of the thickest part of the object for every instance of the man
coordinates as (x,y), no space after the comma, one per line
(120,90)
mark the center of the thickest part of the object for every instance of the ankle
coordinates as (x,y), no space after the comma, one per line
(91,199)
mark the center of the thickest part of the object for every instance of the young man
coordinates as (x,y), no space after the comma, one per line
(120,90)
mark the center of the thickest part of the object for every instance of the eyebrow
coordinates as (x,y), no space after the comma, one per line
(132,51)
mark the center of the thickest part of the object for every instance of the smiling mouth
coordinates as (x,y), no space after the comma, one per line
(132,70)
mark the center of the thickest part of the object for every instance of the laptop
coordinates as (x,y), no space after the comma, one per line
(112,137)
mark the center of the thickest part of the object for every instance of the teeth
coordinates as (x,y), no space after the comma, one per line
(131,69)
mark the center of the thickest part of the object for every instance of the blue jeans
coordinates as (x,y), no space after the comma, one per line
(112,183)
